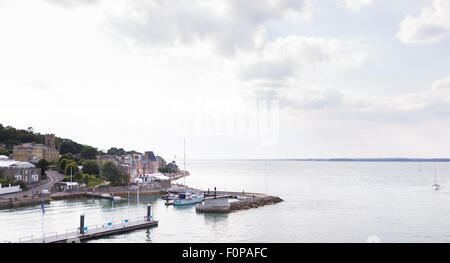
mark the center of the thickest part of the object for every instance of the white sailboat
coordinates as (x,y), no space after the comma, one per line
(187,198)
(435,185)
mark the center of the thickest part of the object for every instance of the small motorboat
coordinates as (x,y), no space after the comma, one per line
(188,199)
(117,198)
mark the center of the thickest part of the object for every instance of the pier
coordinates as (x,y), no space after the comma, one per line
(84,233)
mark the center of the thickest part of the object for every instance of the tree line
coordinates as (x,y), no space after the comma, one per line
(68,164)
(10,136)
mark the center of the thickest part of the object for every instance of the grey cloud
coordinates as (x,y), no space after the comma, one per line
(431,103)
(292,56)
(274,70)
(167,22)
(313,100)
(73,3)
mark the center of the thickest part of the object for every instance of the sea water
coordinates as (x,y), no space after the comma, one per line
(323,202)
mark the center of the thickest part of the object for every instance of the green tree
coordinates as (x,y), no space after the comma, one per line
(91,167)
(5,151)
(62,165)
(62,162)
(115,151)
(68,156)
(111,172)
(69,146)
(43,164)
(20,183)
(71,165)
(78,176)
(86,180)
(88,153)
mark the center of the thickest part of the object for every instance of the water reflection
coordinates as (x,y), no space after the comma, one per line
(213,218)
(184,207)
(147,235)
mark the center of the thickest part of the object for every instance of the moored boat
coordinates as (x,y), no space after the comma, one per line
(170,197)
(184,199)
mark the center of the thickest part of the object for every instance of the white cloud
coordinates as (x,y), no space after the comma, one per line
(133,67)
(431,26)
(355,5)
(293,56)
(332,103)
(229,24)
(73,3)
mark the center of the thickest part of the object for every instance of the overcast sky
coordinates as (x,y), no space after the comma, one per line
(342,78)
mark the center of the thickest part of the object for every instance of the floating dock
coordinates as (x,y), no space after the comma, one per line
(83,233)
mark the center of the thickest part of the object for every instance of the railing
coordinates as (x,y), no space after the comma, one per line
(24,239)
(75,233)
(125,188)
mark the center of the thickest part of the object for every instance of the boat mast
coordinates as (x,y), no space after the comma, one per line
(184,163)
(435,173)
(266,178)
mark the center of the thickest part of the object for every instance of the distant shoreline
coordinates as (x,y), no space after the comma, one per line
(338,160)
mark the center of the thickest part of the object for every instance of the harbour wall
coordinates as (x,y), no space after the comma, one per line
(19,202)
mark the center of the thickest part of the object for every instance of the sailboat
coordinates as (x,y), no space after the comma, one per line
(187,198)
(435,185)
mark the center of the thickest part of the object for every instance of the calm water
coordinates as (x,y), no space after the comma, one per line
(324,202)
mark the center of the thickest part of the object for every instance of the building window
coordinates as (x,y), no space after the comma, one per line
(34,177)
(18,177)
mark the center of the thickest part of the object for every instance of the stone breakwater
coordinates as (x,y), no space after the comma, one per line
(214,209)
(239,205)
(254,202)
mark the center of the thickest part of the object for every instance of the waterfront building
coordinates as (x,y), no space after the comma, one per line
(150,163)
(66,186)
(138,164)
(134,164)
(147,178)
(19,171)
(102,159)
(161,162)
(33,152)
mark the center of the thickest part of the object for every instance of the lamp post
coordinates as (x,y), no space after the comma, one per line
(137,199)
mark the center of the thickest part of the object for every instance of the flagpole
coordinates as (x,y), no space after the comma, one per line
(43,212)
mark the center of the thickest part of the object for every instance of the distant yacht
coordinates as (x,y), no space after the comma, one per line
(435,185)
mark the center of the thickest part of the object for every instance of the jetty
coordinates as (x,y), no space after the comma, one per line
(217,201)
(83,233)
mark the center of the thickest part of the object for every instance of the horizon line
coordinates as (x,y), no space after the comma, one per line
(343,159)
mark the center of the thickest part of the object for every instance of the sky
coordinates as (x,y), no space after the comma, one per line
(236,79)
